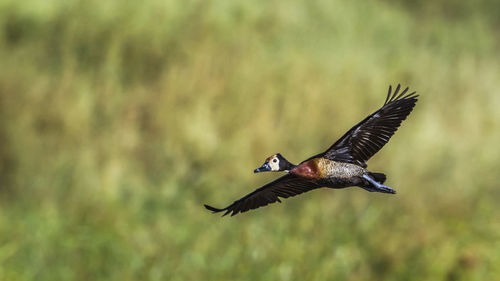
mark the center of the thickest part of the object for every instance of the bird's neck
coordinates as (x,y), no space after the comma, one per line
(289,166)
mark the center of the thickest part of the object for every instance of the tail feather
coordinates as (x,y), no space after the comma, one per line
(378,177)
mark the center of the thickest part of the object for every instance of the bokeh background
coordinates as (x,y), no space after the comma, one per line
(119,119)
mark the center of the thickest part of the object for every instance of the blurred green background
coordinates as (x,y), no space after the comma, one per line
(119,119)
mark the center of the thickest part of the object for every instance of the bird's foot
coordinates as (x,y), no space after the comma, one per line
(377,187)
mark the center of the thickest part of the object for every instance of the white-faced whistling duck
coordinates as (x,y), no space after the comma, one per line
(342,165)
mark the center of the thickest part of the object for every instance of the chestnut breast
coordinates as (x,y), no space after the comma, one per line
(308,169)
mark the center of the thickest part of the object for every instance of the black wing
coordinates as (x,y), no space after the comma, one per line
(286,186)
(370,135)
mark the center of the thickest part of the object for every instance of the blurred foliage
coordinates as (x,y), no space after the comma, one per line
(119,119)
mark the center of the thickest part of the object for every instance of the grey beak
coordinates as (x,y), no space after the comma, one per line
(264,168)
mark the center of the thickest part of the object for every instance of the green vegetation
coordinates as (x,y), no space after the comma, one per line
(119,119)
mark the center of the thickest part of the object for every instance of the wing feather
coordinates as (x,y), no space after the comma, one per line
(365,139)
(284,187)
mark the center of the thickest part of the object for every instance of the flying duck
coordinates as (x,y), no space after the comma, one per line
(342,165)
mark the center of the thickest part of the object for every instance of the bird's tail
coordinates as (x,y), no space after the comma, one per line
(378,177)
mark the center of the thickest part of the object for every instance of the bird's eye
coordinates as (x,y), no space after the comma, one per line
(275,160)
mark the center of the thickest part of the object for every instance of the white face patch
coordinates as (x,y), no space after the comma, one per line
(274,163)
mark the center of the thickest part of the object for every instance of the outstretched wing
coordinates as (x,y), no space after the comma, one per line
(370,135)
(285,186)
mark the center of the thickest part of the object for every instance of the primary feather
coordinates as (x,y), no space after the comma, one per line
(365,139)
(285,186)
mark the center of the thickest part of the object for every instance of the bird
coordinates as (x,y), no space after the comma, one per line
(342,165)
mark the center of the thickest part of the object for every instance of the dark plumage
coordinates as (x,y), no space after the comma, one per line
(286,186)
(341,165)
(365,139)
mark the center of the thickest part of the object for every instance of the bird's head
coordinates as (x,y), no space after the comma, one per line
(275,163)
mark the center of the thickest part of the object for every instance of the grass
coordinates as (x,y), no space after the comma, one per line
(118,120)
